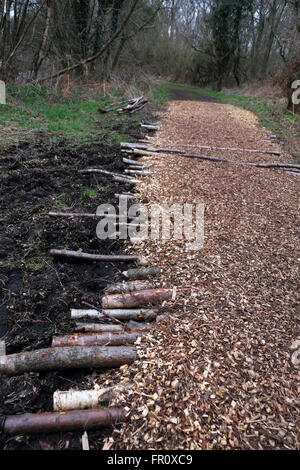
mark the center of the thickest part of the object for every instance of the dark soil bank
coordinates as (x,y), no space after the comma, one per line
(37,292)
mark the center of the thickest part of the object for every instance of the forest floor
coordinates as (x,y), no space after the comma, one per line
(218,373)
(37,292)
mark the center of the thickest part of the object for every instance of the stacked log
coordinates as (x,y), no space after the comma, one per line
(142,274)
(135,299)
(82,420)
(96,339)
(67,358)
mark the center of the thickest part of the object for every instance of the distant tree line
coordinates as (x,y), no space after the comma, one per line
(207,42)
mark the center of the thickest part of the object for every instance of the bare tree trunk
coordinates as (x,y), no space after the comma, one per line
(42,50)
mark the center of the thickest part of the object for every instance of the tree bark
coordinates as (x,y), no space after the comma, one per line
(85,399)
(142,273)
(63,422)
(66,358)
(120,314)
(136,299)
(96,339)
(126,287)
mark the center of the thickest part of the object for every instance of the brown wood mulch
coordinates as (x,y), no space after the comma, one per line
(218,373)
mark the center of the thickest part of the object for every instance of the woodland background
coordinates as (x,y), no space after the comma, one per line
(214,43)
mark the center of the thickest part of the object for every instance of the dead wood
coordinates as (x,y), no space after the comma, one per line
(135,299)
(92,257)
(67,358)
(96,339)
(63,422)
(120,314)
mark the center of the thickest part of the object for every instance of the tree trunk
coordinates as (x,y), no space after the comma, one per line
(42,50)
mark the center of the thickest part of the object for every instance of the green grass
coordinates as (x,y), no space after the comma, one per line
(77,119)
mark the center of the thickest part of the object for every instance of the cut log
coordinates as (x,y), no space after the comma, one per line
(139,172)
(150,127)
(96,339)
(98,327)
(141,274)
(120,314)
(85,399)
(63,422)
(124,179)
(125,196)
(136,299)
(126,287)
(91,257)
(67,358)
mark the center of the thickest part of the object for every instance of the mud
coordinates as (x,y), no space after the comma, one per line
(37,292)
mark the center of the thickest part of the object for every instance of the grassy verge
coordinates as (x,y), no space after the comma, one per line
(273,115)
(34,108)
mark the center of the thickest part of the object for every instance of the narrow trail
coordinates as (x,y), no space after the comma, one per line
(218,373)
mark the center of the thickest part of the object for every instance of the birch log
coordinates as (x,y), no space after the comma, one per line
(96,339)
(85,399)
(67,358)
(62,421)
(120,314)
(98,327)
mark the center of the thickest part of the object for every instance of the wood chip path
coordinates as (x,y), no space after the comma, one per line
(218,373)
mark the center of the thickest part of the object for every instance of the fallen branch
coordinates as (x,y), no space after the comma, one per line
(91,257)
(150,127)
(85,399)
(96,339)
(141,273)
(67,358)
(136,163)
(139,172)
(120,314)
(63,422)
(201,147)
(104,172)
(225,149)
